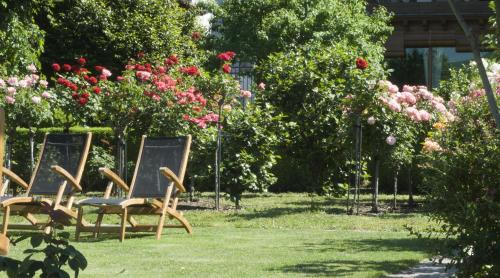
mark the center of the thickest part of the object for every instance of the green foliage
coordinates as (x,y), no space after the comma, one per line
(320,91)
(21,40)
(462,180)
(56,253)
(114,31)
(249,153)
(256,28)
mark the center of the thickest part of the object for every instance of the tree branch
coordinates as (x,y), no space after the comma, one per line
(492,103)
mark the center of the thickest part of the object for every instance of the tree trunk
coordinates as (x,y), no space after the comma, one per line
(410,189)
(394,204)
(492,103)
(375,185)
(497,19)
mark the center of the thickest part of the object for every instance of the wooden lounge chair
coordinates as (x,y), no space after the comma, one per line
(56,177)
(157,180)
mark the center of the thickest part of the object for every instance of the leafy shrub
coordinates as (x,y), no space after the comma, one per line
(114,31)
(462,178)
(320,90)
(57,253)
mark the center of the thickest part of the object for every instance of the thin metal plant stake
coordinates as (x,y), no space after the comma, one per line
(31,134)
(218,153)
(358,161)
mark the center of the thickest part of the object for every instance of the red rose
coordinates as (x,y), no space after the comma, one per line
(66,67)
(192,70)
(196,36)
(81,61)
(75,96)
(171,60)
(139,67)
(103,77)
(119,78)
(161,69)
(73,87)
(85,95)
(361,63)
(96,90)
(226,56)
(98,68)
(226,68)
(93,80)
(61,81)
(86,77)
(83,101)
(56,67)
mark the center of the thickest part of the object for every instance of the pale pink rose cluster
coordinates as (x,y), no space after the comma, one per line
(245,94)
(430,146)
(410,99)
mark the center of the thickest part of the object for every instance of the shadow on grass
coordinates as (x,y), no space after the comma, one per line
(347,268)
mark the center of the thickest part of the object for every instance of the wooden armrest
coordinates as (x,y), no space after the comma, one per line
(15,178)
(60,170)
(173,177)
(114,177)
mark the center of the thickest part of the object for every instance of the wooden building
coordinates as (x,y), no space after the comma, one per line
(427,40)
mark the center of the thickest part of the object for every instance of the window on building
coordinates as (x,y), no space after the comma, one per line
(427,66)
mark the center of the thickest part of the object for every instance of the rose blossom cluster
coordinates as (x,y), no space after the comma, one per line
(30,82)
(430,146)
(168,81)
(413,101)
(202,121)
(70,77)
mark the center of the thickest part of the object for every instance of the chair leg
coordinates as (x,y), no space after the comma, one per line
(97,228)
(124,224)
(6,216)
(79,223)
(161,222)
(176,214)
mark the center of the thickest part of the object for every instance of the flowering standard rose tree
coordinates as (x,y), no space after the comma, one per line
(159,98)
(26,102)
(397,123)
(223,90)
(77,93)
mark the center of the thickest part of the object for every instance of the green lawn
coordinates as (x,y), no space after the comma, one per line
(286,235)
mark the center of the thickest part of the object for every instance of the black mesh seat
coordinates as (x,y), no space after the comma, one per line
(65,150)
(58,171)
(157,178)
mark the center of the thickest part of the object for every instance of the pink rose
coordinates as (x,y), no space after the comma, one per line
(371,120)
(36,100)
(44,83)
(394,106)
(261,86)
(390,140)
(46,94)
(245,94)
(11,90)
(10,100)
(424,115)
(392,88)
(106,72)
(12,81)
(31,68)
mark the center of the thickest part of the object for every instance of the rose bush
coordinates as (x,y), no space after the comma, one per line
(462,173)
